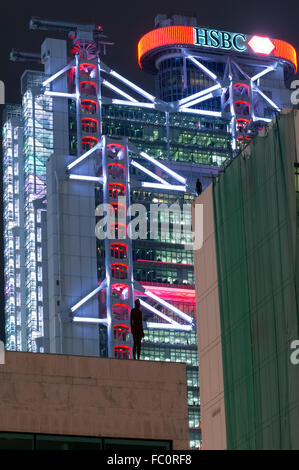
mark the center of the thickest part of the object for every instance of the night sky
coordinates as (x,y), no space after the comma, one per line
(124,22)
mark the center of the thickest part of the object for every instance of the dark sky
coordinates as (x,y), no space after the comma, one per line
(125,22)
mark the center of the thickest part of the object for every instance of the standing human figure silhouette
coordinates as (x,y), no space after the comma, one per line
(198,187)
(136,328)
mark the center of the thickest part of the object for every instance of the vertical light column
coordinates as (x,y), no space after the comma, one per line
(38,146)
(118,248)
(243,109)
(13,229)
(88,104)
(9,242)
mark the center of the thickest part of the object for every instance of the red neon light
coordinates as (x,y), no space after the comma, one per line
(120,305)
(90,119)
(120,325)
(117,226)
(121,346)
(162,262)
(89,137)
(243,119)
(242,84)
(117,223)
(88,106)
(119,244)
(94,85)
(244,137)
(116,184)
(118,250)
(118,204)
(116,164)
(89,82)
(184,35)
(115,145)
(243,102)
(285,51)
(89,101)
(165,36)
(120,264)
(87,65)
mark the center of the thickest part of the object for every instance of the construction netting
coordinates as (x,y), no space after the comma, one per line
(255,221)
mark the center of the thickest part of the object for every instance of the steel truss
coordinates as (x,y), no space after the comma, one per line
(90,76)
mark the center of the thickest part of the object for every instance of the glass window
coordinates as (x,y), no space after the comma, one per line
(12,441)
(47,442)
(136,443)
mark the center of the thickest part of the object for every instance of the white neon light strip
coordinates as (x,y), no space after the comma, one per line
(86,298)
(59,94)
(133,103)
(119,91)
(82,157)
(202,112)
(261,74)
(256,118)
(267,99)
(90,320)
(165,326)
(57,74)
(148,172)
(200,93)
(169,306)
(133,86)
(163,167)
(171,187)
(157,312)
(95,179)
(198,100)
(202,67)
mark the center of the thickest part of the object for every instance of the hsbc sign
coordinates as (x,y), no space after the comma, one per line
(215,39)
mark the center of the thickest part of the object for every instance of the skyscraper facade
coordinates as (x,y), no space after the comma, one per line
(86,142)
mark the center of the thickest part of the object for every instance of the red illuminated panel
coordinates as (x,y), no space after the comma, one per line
(88,142)
(122,351)
(116,189)
(119,270)
(85,65)
(243,120)
(121,332)
(285,51)
(118,250)
(165,36)
(176,294)
(119,209)
(88,106)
